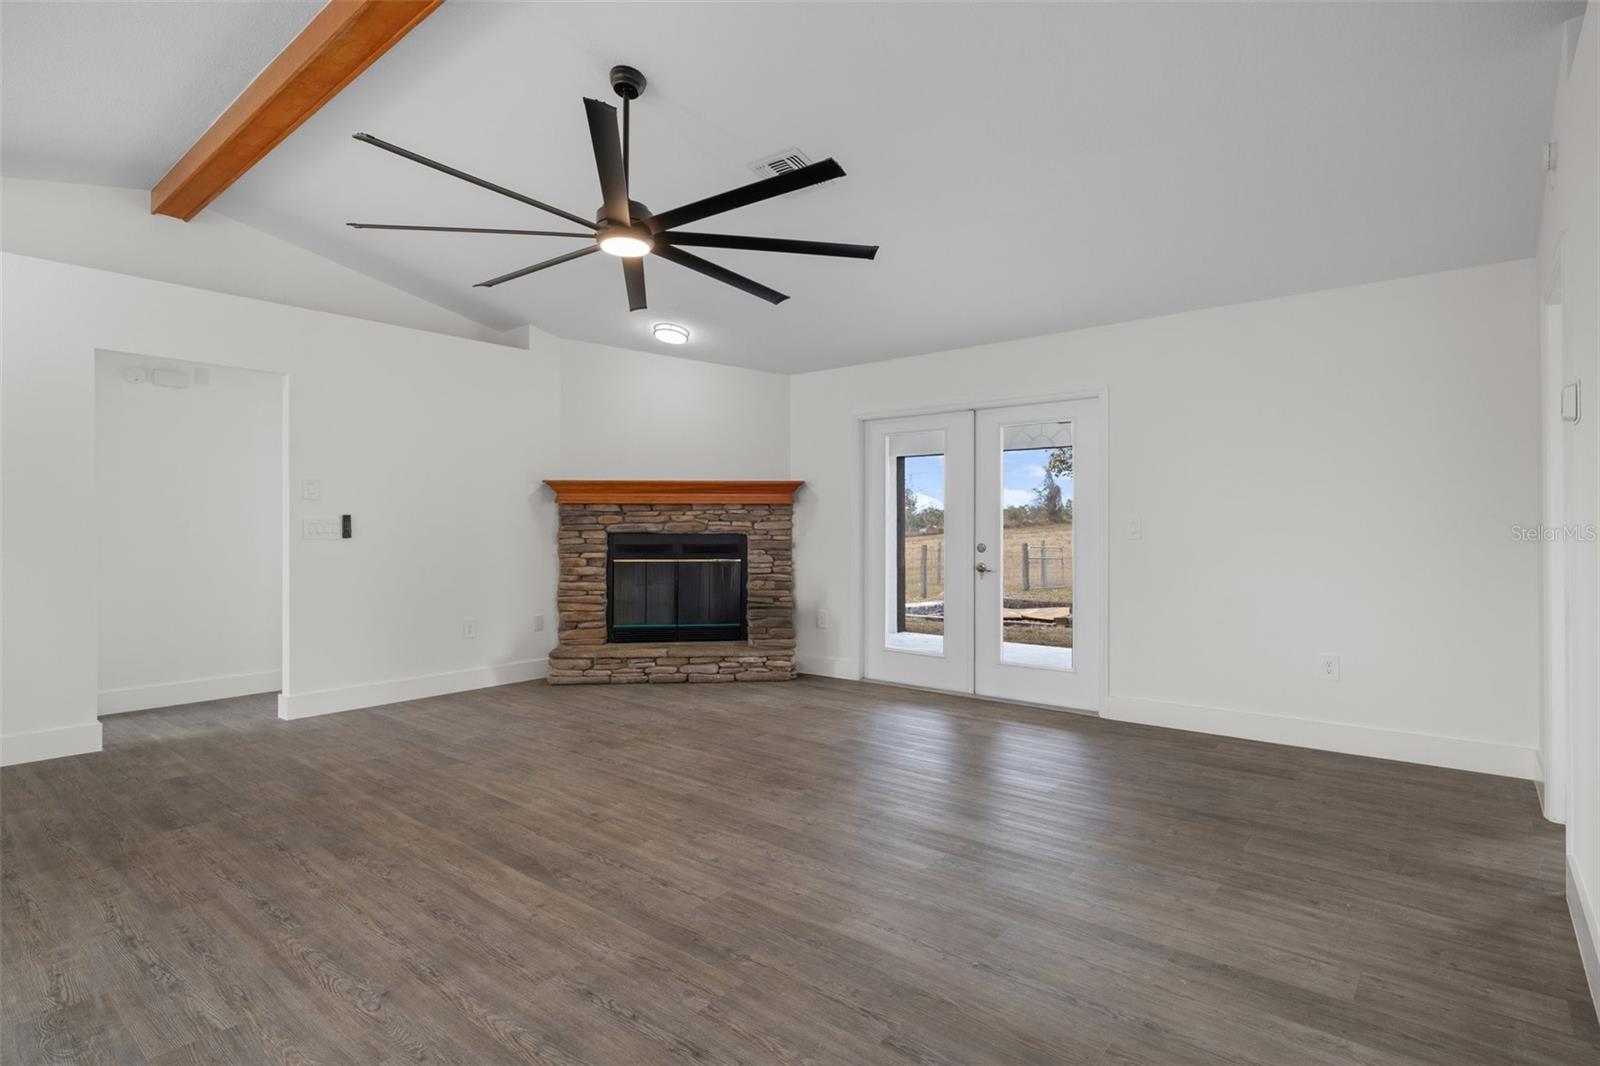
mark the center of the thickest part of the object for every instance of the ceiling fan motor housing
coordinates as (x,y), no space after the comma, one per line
(639,212)
(640,229)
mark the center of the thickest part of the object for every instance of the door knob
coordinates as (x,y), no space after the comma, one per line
(983,568)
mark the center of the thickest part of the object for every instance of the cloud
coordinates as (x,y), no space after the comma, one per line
(924,501)
(1016,497)
(1033,470)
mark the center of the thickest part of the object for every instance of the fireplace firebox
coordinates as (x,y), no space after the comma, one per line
(676,587)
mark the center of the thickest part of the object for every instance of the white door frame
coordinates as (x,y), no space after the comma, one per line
(1554,757)
(1102,616)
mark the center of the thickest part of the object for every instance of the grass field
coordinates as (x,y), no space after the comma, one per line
(1051,542)
(1057,540)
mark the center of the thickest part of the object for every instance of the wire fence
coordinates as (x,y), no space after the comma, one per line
(1045,566)
(925,571)
(1029,567)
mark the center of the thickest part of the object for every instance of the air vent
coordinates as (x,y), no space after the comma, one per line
(790,159)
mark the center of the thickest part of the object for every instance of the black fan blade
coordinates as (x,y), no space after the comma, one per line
(770,244)
(633,274)
(754,193)
(722,274)
(608,159)
(471,229)
(492,282)
(464,176)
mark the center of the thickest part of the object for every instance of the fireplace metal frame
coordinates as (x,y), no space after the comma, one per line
(677,547)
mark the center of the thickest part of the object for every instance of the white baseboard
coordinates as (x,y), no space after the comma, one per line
(144,697)
(16,748)
(821,666)
(1456,753)
(1584,916)
(353,697)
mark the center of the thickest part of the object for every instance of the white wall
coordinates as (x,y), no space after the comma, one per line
(190,524)
(637,415)
(435,444)
(1571,222)
(1335,472)
(113,229)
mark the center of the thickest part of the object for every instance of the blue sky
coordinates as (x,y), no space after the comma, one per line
(1023,472)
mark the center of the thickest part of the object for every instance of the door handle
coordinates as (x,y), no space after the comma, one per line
(982,568)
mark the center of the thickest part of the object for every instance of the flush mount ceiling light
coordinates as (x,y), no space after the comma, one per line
(670,333)
(625,228)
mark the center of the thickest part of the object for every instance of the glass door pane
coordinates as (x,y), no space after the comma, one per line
(1036,536)
(919,552)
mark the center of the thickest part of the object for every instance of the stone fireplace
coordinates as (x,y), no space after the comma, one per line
(674,581)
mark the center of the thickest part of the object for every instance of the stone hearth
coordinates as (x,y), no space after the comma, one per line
(591,510)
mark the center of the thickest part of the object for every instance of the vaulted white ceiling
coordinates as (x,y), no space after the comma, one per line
(1026,168)
(114,93)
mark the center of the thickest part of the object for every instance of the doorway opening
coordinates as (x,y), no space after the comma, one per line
(190,497)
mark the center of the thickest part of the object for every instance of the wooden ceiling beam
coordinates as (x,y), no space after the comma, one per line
(344,39)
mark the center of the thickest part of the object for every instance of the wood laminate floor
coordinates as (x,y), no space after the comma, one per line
(811,872)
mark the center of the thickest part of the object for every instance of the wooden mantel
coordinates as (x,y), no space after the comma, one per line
(674,491)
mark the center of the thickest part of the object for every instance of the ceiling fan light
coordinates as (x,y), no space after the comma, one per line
(670,333)
(628,243)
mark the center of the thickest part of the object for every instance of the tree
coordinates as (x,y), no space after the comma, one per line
(1060,462)
(1048,496)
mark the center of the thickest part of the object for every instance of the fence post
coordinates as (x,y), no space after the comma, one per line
(1044,567)
(1025,574)
(924,571)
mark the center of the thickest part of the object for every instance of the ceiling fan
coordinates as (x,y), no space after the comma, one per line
(624,227)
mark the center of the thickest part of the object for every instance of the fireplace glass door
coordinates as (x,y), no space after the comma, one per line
(671,587)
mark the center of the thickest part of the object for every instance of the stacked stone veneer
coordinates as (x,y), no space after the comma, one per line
(584,658)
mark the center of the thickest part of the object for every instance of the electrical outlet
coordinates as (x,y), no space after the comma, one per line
(311,488)
(1328,667)
(822,618)
(469,629)
(1135,527)
(538,623)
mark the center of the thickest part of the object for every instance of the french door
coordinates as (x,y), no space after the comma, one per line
(986,560)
